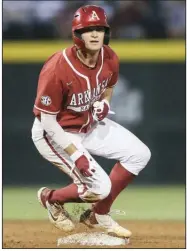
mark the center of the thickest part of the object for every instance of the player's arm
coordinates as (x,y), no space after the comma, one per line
(56,132)
(49,98)
(107,95)
(52,127)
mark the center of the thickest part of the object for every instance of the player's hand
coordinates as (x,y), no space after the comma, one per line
(100,109)
(82,163)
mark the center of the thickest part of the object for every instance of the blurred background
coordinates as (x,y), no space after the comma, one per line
(149,99)
(142,19)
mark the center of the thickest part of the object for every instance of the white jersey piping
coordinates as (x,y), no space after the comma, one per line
(97,81)
(77,72)
(87,122)
(45,110)
(85,77)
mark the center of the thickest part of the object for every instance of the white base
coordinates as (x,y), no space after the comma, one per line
(90,239)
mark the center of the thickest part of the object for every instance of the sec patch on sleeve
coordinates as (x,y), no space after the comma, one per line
(46,100)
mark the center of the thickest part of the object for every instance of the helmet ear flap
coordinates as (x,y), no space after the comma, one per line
(77,33)
(107,36)
(77,38)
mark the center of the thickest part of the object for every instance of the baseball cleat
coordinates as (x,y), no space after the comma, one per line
(58,216)
(93,220)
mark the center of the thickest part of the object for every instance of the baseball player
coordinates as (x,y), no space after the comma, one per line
(73,99)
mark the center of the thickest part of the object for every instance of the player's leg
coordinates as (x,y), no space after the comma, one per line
(93,188)
(116,142)
(120,178)
(112,141)
(83,189)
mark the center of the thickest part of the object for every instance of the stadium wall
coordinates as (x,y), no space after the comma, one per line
(152,72)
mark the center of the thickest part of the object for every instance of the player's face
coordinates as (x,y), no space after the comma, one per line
(93,38)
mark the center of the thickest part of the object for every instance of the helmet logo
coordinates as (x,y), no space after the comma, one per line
(94,16)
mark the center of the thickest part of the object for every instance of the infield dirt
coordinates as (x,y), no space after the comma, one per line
(41,234)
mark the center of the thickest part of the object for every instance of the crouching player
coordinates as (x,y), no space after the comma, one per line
(72,102)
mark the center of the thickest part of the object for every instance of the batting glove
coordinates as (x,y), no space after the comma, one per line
(82,163)
(100,109)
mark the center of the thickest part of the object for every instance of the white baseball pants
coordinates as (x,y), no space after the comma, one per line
(108,139)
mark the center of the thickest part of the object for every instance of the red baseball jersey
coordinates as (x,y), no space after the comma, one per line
(69,88)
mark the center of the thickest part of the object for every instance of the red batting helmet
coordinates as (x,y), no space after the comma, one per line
(89,16)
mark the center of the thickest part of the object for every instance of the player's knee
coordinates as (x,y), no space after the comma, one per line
(143,156)
(137,160)
(105,188)
(146,155)
(90,197)
(102,191)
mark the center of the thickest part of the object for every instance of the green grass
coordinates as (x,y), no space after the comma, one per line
(139,203)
